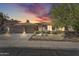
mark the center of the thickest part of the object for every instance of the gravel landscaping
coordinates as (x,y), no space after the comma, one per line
(54,37)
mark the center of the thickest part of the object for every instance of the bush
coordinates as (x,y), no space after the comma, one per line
(57,32)
(44,32)
(37,32)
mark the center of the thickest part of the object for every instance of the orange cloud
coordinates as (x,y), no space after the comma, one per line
(34,18)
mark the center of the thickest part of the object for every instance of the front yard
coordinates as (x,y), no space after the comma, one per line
(55,37)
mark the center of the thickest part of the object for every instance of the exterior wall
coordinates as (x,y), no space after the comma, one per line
(42,28)
(16,29)
(62,29)
(49,28)
(30,28)
(20,28)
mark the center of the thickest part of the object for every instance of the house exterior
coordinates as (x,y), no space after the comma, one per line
(29,28)
(16,27)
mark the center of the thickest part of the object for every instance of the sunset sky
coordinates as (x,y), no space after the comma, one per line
(29,11)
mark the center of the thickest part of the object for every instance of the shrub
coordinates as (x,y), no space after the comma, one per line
(57,32)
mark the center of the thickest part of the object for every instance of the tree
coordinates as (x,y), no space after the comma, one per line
(75,23)
(13,21)
(27,21)
(3,18)
(65,15)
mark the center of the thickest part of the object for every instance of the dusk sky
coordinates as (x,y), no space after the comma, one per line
(29,11)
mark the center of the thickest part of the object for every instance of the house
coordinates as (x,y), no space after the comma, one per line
(17,27)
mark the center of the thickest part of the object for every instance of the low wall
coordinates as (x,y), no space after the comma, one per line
(18,29)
